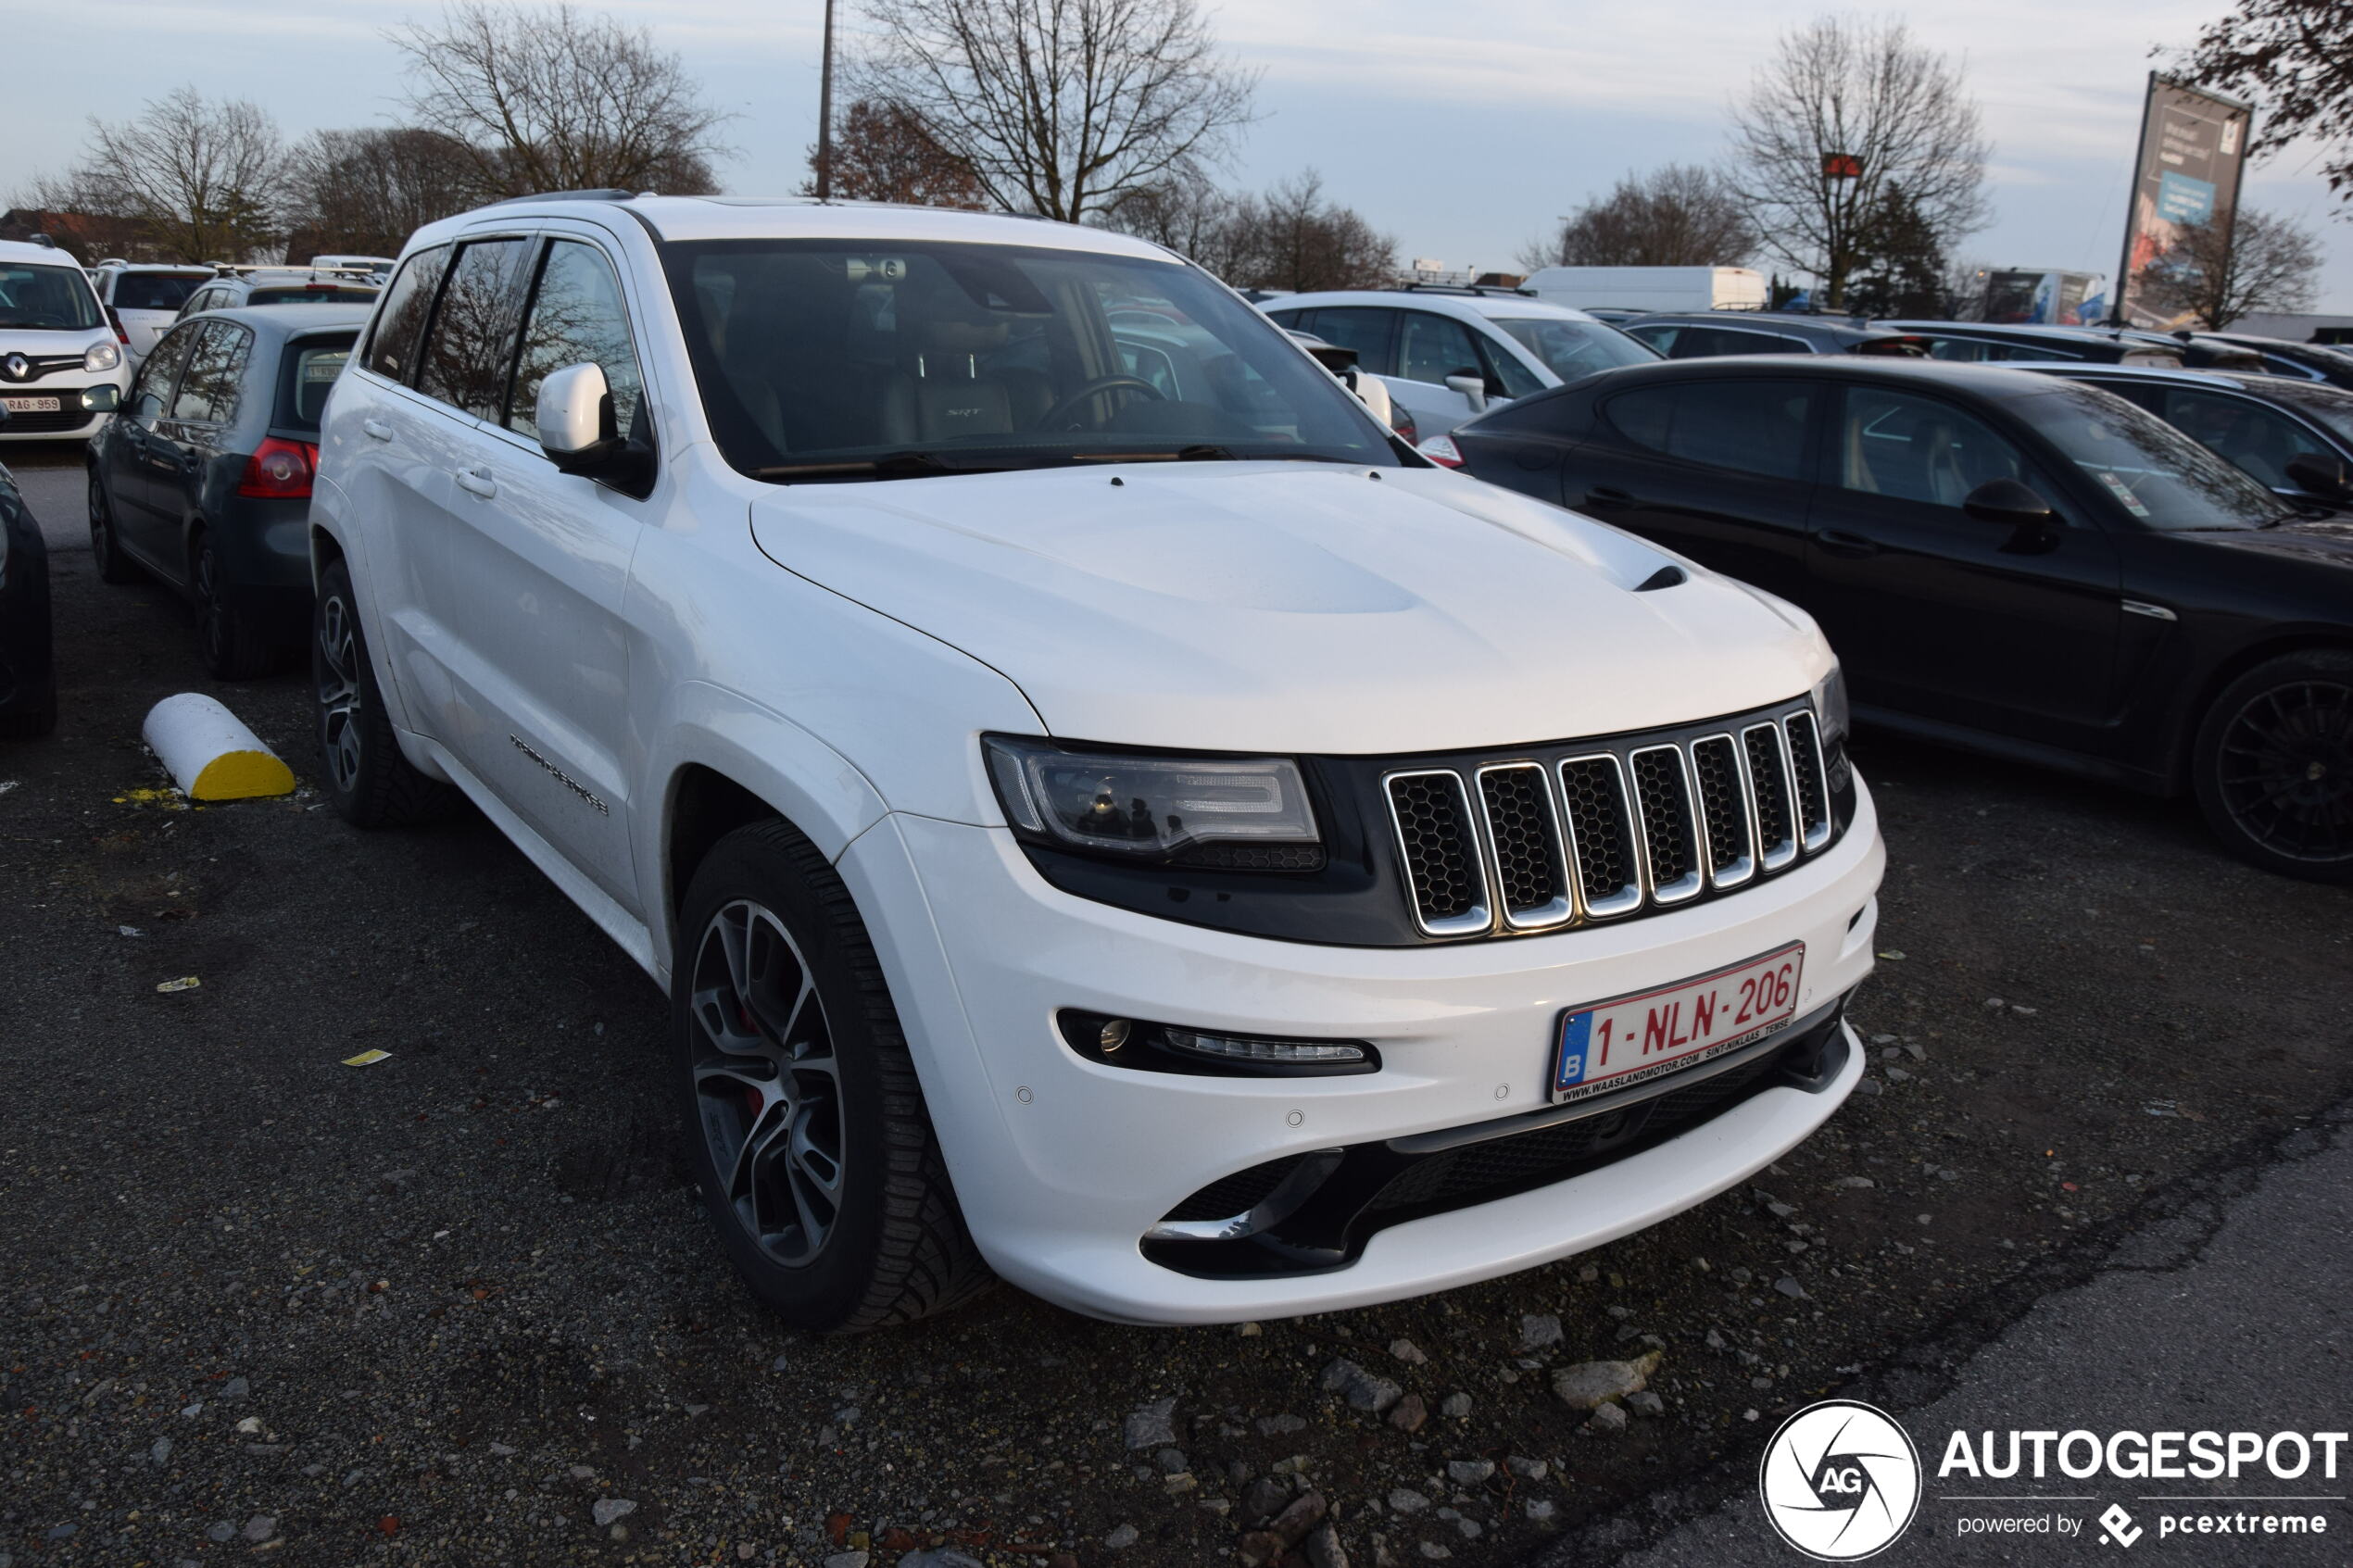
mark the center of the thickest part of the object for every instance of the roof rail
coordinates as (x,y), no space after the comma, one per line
(1469,288)
(606,193)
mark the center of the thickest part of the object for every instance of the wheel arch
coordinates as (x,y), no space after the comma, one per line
(732,763)
(2227,670)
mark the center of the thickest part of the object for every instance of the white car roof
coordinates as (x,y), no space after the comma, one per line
(757,218)
(1470,307)
(46,256)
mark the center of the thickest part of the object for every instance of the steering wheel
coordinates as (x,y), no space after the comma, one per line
(1069,406)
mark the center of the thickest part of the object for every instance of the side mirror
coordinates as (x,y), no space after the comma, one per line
(1371,393)
(1473,386)
(101,399)
(580,435)
(2320,476)
(2008,502)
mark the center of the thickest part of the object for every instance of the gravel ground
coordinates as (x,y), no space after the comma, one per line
(459,1306)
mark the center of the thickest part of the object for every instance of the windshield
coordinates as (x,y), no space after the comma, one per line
(56,298)
(1570,349)
(829,358)
(156,291)
(2154,471)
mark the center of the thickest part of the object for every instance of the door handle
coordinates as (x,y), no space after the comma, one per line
(1838,541)
(477,481)
(1611,494)
(377,428)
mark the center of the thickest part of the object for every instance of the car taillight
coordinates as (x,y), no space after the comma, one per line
(279,471)
(1441,450)
(1401,419)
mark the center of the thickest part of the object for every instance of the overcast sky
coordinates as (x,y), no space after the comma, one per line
(1460,128)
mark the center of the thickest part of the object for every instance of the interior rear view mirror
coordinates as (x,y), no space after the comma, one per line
(2008,502)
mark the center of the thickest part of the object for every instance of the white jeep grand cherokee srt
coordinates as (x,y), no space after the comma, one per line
(1103,811)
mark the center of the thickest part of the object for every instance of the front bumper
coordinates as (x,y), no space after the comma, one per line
(1062,1166)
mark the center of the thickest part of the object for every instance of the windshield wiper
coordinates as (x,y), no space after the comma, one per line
(892,465)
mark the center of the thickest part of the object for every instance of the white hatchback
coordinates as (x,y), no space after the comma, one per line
(1104,810)
(56,345)
(147,299)
(1447,354)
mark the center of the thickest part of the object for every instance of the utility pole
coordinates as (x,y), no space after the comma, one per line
(825,113)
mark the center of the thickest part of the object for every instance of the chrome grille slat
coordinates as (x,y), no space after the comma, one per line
(1603,842)
(1770,788)
(1430,809)
(1811,780)
(1635,824)
(1727,812)
(1672,857)
(1524,832)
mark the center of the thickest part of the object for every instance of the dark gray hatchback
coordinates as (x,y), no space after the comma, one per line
(204,477)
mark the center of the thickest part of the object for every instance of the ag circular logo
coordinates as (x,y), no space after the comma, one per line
(1840,1481)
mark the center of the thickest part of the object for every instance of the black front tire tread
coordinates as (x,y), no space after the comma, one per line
(926,1262)
(2330,663)
(391,793)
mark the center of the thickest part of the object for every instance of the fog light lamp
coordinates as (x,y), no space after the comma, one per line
(1296,1053)
(1114,1033)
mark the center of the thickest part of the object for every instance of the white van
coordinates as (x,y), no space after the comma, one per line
(1652,288)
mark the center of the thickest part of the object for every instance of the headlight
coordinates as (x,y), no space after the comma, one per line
(102,356)
(1830,706)
(1145,806)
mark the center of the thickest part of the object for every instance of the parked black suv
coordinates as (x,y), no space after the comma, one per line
(2014,562)
(1975,343)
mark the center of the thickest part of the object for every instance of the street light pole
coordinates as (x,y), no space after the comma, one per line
(825,113)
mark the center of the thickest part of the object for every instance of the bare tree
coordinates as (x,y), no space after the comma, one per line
(1188,215)
(2294,58)
(1682,215)
(558,99)
(1845,111)
(1289,237)
(2215,275)
(367,191)
(882,154)
(198,181)
(1061,107)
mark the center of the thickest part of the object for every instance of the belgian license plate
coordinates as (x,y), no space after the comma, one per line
(30,404)
(1632,1040)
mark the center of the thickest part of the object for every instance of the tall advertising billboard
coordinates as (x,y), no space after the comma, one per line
(2192,148)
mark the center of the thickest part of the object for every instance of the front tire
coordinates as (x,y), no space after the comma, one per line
(106,550)
(360,766)
(806,1128)
(2273,766)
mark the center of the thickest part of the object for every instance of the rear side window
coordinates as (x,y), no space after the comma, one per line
(1363,330)
(1750,426)
(154,291)
(400,320)
(311,293)
(1706,342)
(576,318)
(1430,348)
(306,373)
(209,392)
(471,345)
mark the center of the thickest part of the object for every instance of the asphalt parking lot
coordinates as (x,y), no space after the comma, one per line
(457,1307)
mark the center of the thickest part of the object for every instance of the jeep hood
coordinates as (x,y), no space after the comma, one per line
(1294,607)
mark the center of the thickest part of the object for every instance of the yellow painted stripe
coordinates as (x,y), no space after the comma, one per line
(241,776)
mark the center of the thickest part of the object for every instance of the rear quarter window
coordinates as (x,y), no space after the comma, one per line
(306,373)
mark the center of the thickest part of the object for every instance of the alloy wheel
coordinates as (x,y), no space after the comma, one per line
(767,1083)
(2286,770)
(337,673)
